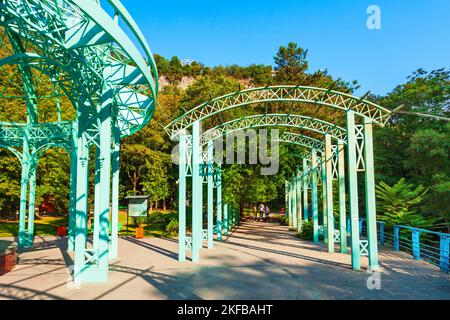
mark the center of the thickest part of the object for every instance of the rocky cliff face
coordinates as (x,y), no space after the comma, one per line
(185,82)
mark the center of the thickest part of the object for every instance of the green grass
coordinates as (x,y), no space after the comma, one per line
(152,229)
(42,227)
(47,226)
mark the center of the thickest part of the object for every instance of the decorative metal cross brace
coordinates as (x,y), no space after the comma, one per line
(320,229)
(360,163)
(188,243)
(364,247)
(334,161)
(337,235)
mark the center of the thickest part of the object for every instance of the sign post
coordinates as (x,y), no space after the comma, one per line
(137,207)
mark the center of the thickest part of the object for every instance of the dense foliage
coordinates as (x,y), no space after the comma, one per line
(412,152)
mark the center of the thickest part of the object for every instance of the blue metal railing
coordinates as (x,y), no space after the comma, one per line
(422,244)
(381,230)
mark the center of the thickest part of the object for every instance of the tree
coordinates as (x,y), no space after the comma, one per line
(428,156)
(291,64)
(10,170)
(398,204)
(155,180)
(414,147)
(134,163)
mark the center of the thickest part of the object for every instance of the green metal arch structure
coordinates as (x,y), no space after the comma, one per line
(302,140)
(343,150)
(95,54)
(276,120)
(318,96)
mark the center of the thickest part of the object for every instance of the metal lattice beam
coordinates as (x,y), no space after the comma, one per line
(318,96)
(275,120)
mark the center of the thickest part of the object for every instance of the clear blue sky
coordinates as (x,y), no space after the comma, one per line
(415,33)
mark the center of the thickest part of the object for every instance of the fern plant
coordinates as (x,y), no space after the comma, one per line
(398,204)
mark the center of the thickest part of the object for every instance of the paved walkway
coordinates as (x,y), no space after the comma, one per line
(257,261)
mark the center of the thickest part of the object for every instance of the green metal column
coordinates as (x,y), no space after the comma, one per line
(73,189)
(371,218)
(182,198)
(97,192)
(81,206)
(31,204)
(219,222)
(305,190)
(290,205)
(324,200)
(105,180)
(342,207)
(329,192)
(197,193)
(294,204)
(314,198)
(286,204)
(298,183)
(230,218)
(113,251)
(22,239)
(353,190)
(210,203)
(225,219)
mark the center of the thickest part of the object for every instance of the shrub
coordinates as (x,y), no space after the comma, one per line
(307,232)
(172,226)
(284,221)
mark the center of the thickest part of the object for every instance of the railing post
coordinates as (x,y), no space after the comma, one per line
(416,244)
(382,238)
(396,238)
(444,252)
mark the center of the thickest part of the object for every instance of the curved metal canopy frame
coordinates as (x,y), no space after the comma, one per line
(292,138)
(356,140)
(64,77)
(274,120)
(313,95)
(89,38)
(302,140)
(84,47)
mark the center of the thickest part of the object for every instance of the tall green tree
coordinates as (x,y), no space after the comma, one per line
(291,64)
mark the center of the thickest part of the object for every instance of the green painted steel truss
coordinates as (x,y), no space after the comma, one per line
(313,95)
(324,160)
(90,53)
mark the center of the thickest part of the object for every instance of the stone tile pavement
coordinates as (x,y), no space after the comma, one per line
(256,261)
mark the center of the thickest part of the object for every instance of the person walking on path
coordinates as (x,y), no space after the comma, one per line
(267,211)
(261,211)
